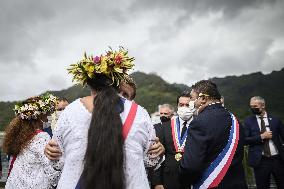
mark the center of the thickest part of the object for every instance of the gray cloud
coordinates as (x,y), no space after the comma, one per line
(203,7)
(197,39)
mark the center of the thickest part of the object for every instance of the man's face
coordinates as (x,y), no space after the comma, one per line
(127,91)
(165,111)
(61,105)
(257,104)
(183,101)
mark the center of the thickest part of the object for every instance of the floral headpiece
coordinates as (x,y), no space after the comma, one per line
(113,64)
(35,106)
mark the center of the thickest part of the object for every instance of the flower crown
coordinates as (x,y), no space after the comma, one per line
(35,106)
(114,64)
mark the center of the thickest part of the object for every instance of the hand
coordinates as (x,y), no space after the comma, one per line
(156,149)
(159,187)
(266,135)
(52,150)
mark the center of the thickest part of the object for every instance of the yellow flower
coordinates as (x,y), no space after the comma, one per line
(103,67)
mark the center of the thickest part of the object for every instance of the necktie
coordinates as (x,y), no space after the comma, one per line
(183,129)
(266,149)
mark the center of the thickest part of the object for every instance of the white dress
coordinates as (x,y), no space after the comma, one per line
(32,169)
(71,133)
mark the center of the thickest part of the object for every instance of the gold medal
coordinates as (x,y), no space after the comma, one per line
(178,156)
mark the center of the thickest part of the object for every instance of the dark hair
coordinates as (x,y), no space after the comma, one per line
(183,94)
(103,166)
(130,81)
(63,99)
(207,87)
(19,134)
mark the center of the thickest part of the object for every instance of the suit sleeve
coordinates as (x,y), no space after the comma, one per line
(281,130)
(0,163)
(249,138)
(192,163)
(157,175)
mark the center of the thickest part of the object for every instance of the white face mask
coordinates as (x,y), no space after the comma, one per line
(191,106)
(49,118)
(45,125)
(58,113)
(185,113)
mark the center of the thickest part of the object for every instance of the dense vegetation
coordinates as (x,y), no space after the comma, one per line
(153,90)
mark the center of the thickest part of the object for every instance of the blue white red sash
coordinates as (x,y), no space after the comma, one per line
(179,142)
(214,174)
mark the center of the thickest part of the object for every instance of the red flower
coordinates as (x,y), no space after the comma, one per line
(118,59)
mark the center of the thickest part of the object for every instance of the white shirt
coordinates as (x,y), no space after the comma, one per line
(181,122)
(32,169)
(72,133)
(272,147)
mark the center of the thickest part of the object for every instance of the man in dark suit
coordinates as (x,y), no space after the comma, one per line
(169,132)
(266,152)
(208,135)
(166,112)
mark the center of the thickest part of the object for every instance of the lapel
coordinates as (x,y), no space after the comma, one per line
(255,123)
(269,118)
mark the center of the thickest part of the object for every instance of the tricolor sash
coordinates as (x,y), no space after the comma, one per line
(179,142)
(214,174)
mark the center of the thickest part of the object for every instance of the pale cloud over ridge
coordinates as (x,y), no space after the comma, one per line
(197,39)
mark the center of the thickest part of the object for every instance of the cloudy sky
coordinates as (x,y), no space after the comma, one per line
(181,40)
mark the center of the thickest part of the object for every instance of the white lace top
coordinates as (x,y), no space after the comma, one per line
(32,169)
(71,133)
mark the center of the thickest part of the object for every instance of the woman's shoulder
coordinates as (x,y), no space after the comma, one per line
(73,105)
(74,109)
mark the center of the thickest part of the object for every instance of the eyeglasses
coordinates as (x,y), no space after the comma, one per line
(201,94)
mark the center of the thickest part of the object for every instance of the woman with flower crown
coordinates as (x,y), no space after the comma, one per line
(25,142)
(104,138)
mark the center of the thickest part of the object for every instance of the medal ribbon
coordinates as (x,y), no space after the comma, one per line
(179,142)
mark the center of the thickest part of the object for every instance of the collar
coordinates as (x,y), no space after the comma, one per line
(181,121)
(264,116)
(212,106)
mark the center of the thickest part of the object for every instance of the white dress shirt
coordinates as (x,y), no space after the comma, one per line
(181,122)
(272,147)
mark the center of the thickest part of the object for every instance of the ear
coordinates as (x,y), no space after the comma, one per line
(203,99)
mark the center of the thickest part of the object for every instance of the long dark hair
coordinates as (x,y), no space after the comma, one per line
(103,166)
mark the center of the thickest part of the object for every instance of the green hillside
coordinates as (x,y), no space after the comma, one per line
(238,91)
(153,90)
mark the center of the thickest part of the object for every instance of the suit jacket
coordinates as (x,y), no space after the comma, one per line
(167,174)
(208,134)
(255,142)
